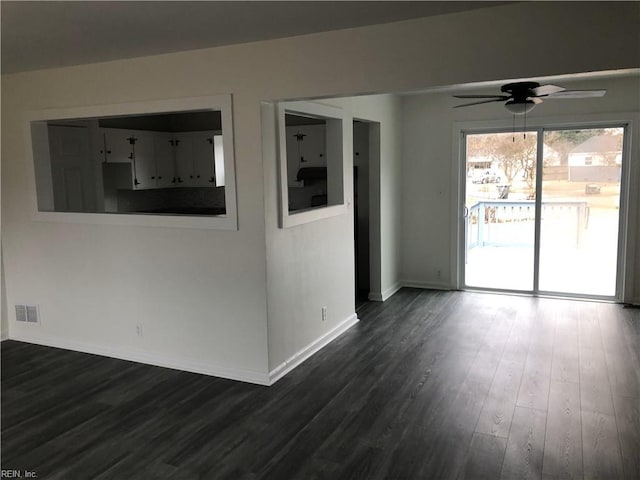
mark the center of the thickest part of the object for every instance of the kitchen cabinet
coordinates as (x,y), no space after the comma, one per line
(195,160)
(165,175)
(204,159)
(143,161)
(117,147)
(135,148)
(165,160)
(306,148)
(183,151)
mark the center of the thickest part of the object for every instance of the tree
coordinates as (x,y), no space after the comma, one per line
(563,141)
(513,153)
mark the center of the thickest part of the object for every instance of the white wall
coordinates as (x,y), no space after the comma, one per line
(312,265)
(429,121)
(95,283)
(202,294)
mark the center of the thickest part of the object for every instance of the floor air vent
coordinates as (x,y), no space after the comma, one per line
(27,313)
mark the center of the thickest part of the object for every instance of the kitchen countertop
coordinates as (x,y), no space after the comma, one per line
(186,211)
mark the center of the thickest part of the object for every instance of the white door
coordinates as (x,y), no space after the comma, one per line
(71,169)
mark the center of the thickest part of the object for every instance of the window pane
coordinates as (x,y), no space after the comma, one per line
(500,206)
(580,210)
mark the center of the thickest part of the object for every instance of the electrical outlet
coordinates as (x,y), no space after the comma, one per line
(139,330)
(439,274)
(324,314)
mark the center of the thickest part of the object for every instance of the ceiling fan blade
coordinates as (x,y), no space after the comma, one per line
(578,94)
(504,97)
(544,90)
(535,100)
(483,101)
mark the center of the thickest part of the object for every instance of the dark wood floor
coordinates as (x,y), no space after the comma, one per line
(427,385)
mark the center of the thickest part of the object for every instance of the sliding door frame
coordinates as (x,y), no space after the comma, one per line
(628,209)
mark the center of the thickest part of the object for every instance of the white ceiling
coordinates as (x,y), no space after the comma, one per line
(47,34)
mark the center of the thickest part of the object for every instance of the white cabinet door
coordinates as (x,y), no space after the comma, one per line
(144,164)
(183,145)
(117,145)
(203,159)
(165,164)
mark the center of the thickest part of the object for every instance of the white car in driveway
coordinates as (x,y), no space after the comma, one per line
(486,176)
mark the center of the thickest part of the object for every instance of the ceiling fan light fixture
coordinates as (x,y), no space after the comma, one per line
(521,97)
(519,107)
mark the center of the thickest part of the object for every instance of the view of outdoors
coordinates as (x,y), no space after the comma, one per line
(580,198)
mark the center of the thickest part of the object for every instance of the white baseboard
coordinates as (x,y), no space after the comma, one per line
(148,358)
(386,294)
(425,285)
(300,356)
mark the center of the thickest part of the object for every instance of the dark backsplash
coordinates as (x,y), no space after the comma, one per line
(172,200)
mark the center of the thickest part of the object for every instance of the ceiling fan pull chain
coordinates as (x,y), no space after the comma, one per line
(513,131)
(524,129)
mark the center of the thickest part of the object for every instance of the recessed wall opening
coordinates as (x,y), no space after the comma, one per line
(312,150)
(163,164)
(307,166)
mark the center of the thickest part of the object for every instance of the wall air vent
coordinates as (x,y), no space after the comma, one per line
(27,314)
(21,313)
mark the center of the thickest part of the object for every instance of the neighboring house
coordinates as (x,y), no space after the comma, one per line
(598,159)
(597,151)
(477,164)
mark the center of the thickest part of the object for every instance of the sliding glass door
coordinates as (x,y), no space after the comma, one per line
(500,210)
(542,210)
(580,191)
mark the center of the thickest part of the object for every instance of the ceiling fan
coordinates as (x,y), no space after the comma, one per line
(521,97)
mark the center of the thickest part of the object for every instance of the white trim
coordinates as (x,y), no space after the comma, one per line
(306,352)
(291,219)
(458,194)
(386,294)
(221,222)
(175,363)
(391,291)
(426,285)
(224,103)
(629,208)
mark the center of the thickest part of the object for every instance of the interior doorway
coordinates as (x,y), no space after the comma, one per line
(361,208)
(543,211)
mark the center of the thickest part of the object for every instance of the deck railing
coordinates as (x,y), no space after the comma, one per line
(511,223)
